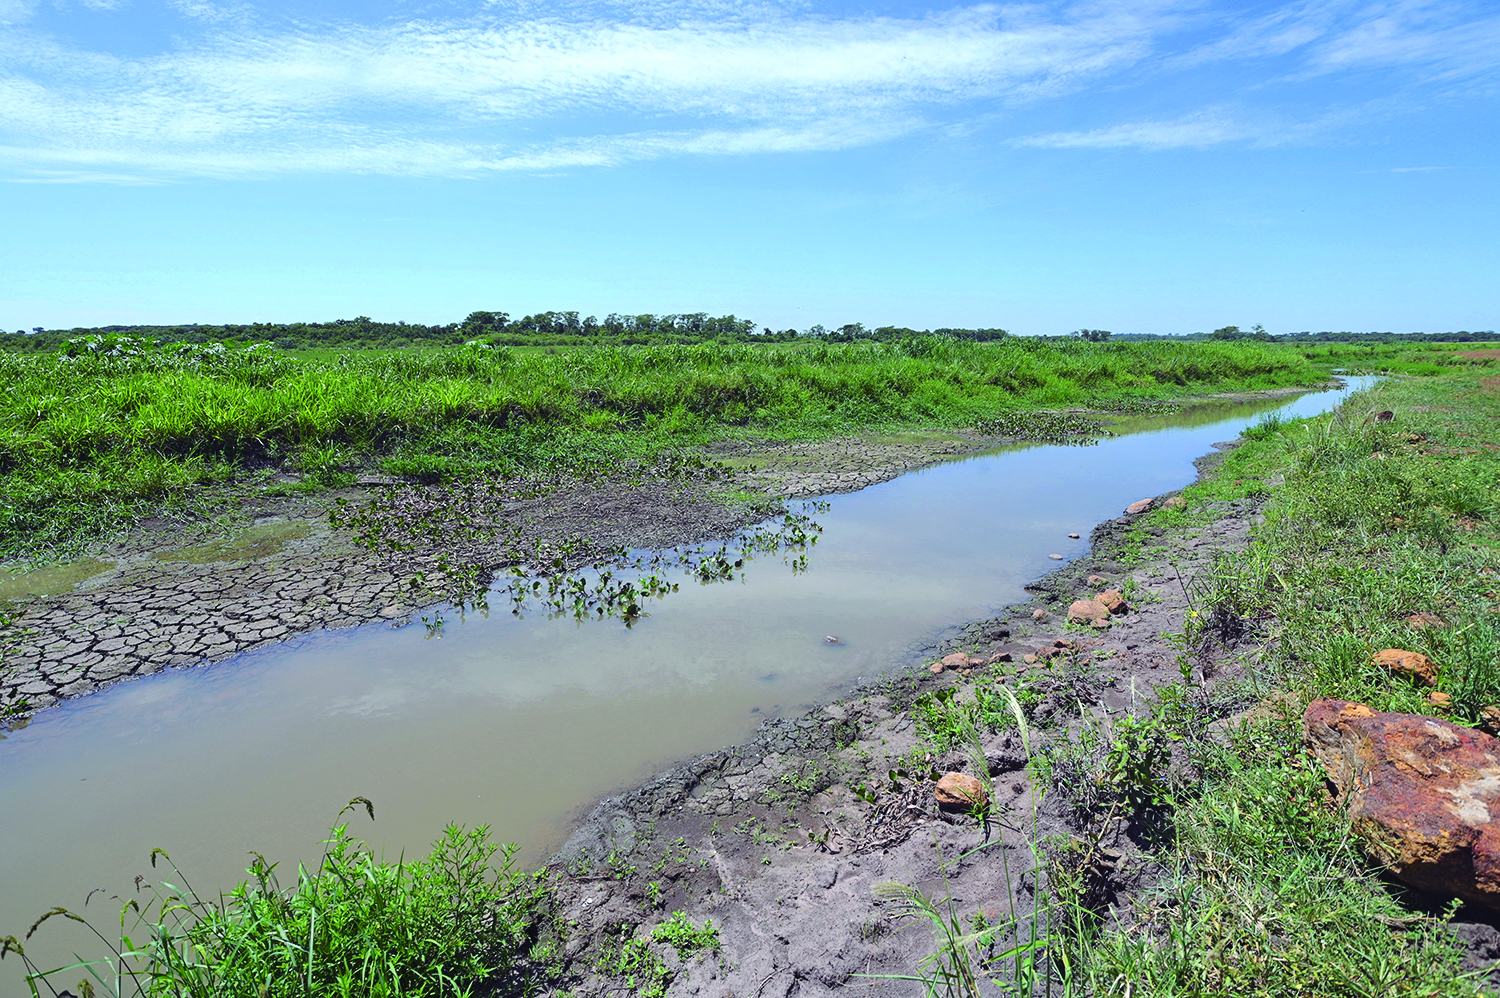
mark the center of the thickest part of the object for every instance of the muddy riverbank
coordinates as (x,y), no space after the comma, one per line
(170,595)
(788,844)
(780,842)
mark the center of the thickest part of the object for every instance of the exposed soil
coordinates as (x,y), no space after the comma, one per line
(726,836)
(768,839)
(168,595)
(771,843)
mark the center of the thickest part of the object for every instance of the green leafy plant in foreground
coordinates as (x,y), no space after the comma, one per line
(461,921)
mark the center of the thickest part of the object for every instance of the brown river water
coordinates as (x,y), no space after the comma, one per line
(522,723)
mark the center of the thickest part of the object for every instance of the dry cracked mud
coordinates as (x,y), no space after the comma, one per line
(170,596)
(166,596)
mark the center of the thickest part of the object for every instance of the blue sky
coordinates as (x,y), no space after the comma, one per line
(1138,167)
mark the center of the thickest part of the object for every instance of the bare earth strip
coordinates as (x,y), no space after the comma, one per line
(161,599)
(728,836)
(153,601)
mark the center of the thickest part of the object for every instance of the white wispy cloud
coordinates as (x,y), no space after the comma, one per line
(16,11)
(1225,123)
(576,83)
(455,98)
(1202,128)
(1440,37)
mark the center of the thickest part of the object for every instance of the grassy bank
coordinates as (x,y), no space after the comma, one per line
(113,430)
(458,922)
(1255,884)
(1262,890)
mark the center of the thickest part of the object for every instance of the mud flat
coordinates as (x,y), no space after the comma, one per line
(784,842)
(166,596)
(170,596)
(781,841)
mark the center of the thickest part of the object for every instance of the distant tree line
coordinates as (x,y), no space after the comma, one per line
(1259,333)
(495,328)
(572,329)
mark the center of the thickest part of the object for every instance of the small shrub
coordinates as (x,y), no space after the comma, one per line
(356,925)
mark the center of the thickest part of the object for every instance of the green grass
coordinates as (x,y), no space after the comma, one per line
(118,429)
(1257,885)
(1260,889)
(1265,892)
(462,921)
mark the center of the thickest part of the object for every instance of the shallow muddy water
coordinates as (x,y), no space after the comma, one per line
(519,723)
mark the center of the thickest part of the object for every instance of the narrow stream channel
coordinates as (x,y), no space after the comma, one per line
(521,723)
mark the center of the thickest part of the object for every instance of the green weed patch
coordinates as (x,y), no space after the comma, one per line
(97,436)
(462,921)
(1378,532)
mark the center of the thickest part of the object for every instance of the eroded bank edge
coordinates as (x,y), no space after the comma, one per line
(781,840)
(153,609)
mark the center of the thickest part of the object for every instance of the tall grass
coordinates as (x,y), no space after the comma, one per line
(94,438)
(460,922)
(1264,890)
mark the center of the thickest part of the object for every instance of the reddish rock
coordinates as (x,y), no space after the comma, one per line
(1097,580)
(958,660)
(1139,506)
(1421,792)
(1087,611)
(1000,656)
(1439,699)
(1038,614)
(1174,502)
(960,791)
(1028,658)
(935,668)
(1489,719)
(1407,663)
(1112,600)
